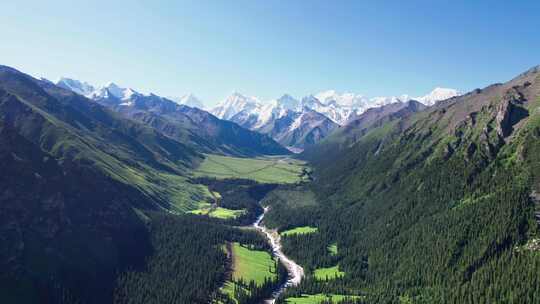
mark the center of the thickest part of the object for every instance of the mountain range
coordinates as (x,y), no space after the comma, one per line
(178,120)
(295,124)
(298,124)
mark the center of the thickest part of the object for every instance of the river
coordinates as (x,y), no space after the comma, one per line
(295,271)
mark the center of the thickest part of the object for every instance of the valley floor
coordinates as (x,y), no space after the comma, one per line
(271,169)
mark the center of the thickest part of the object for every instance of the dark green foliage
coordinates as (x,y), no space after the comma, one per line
(238,194)
(291,206)
(65,230)
(188,263)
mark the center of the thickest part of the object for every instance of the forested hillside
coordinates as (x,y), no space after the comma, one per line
(440,208)
(93,205)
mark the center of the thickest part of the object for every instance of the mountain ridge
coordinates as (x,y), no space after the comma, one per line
(209,133)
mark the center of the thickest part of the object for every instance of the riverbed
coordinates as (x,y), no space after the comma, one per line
(295,271)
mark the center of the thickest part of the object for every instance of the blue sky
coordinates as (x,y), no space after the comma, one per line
(267,48)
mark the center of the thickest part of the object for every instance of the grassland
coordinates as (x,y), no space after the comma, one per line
(299,230)
(318,298)
(248,265)
(251,265)
(263,170)
(218,212)
(328,273)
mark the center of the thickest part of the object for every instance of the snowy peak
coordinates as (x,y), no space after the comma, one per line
(331,97)
(438,94)
(113,90)
(79,87)
(288,102)
(189,100)
(310,102)
(106,91)
(234,104)
(386,100)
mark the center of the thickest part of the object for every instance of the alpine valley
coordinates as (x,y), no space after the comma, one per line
(108,195)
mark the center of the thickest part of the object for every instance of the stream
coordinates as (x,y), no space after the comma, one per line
(295,271)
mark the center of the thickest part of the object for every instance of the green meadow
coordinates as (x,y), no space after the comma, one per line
(328,273)
(264,170)
(318,298)
(218,212)
(251,265)
(299,230)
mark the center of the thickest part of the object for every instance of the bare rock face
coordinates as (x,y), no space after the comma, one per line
(508,112)
(503,117)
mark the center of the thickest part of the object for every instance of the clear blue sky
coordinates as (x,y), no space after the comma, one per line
(267,48)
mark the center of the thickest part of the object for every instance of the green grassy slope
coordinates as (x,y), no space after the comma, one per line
(201,129)
(73,129)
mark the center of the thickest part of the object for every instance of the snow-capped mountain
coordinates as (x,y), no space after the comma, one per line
(349,100)
(112,89)
(341,108)
(330,108)
(283,116)
(298,130)
(79,87)
(90,91)
(235,104)
(436,95)
(292,122)
(285,119)
(189,100)
(178,120)
(287,102)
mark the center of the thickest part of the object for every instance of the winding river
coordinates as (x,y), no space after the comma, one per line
(295,271)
